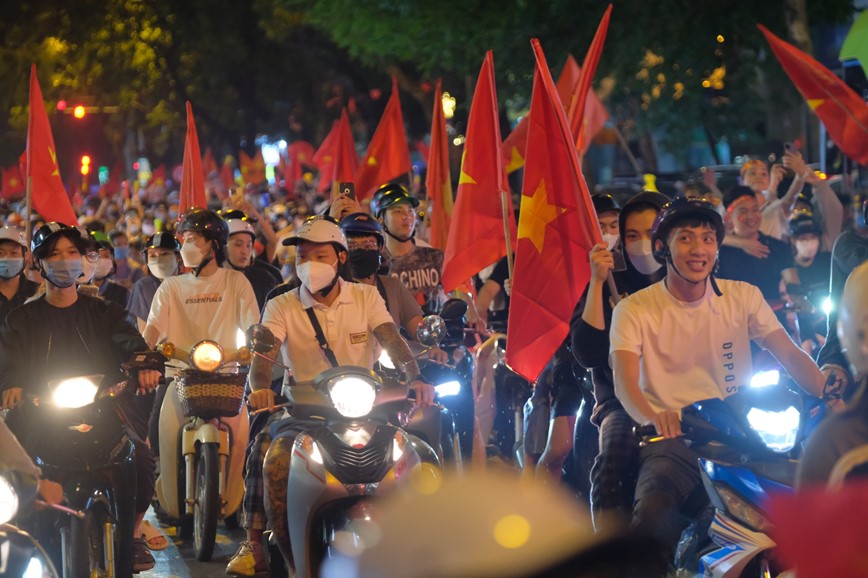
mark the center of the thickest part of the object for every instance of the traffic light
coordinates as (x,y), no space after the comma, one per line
(85,164)
(61,105)
(78,112)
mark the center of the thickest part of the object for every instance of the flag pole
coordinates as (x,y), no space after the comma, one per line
(623,142)
(28,210)
(504,203)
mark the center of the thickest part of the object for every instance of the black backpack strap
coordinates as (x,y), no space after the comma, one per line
(382,289)
(320,337)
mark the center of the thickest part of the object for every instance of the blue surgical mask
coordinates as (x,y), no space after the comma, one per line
(11,267)
(122,252)
(64,272)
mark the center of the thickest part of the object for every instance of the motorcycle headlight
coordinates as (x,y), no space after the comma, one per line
(8,500)
(777,429)
(35,569)
(742,510)
(448,388)
(386,361)
(827,306)
(765,378)
(207,356)
(352,396)
(74,392)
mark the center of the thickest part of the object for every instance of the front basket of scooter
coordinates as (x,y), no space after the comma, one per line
(209,395)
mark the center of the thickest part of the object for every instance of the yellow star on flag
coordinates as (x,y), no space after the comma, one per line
(536,214)
(464,178)
(815,103)
(54,162)
(372,161)
(515,161)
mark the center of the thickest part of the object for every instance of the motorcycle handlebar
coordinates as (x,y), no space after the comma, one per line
(642,431)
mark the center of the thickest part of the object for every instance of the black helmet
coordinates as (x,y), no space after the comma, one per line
(162,241)
(227,214)
(388,195)
(207,223)
(677,211)
(640,202)
(803,223)
(604,203)
(45,234)
(362,224)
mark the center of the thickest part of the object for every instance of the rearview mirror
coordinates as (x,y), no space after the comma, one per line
(260,338)
(431,330)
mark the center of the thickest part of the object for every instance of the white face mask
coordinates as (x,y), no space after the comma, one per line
(316,275)
(610,240)
(88,270)
(163,266)
(192,255)
(103,268)
(642,256)
(807,248)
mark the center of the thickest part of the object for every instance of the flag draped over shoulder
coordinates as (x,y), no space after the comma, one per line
(47,192)
(476,233)
(438,181)
(556,231)
(388,154)
(842,111)
(192,181)
(346,161)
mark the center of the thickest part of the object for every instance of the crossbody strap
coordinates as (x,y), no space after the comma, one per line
(320,337)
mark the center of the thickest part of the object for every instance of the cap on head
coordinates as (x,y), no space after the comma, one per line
(319,229)
(388,195)
(640,202)
(102,240)
(736,193)
(206,223)
(162,241)
(605,203)
(14,235)
(47,233)
(853,320)
(358,224)
(803,223)
(240,226)
(678,211)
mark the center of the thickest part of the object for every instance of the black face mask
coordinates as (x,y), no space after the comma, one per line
(364,263)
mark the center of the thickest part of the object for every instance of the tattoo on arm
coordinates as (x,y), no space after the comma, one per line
(260,370)
(389,337)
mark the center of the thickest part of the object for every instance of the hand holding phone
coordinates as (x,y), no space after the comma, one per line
(347,189)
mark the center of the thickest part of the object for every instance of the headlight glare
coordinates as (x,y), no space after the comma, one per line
(765,378)
(74,392)
(448,388)
(8,500)
(206,356)
(777,429)
(386,361)
(353,396)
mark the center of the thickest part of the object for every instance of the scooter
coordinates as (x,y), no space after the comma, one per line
(749,445)
(340,467)
(203,436)
(83,444)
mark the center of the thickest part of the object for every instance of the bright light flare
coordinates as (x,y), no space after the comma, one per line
(75,392)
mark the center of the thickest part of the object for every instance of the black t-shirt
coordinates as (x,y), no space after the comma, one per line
(111,291)
(262,282)
(765,273)
(40,343)
(419,271)
(26,289)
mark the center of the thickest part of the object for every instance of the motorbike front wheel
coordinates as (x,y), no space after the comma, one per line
(206,508)
(87,549)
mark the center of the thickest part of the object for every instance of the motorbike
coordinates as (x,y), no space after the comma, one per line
(749,445)
(339,467)
(203,437)
(83,444)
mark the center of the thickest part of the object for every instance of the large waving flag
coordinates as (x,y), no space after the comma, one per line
(388,152)
(209,165)
(300,154)
(46,187)
(556,231)
(324,158)
(193,180)
(346,161)
(576,112)
(438,181)
(252,169)
(13,185)
(476,234)
(842,111)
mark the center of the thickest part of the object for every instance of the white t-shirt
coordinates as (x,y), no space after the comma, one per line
(187,309)
(774,221)
(348,325)
(691,351)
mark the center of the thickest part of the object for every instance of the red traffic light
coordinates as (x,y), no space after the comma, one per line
(61,105)
(78,112)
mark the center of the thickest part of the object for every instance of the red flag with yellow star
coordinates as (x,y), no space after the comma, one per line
(13,186)
(252,169)
(476,235)
(576,113)
(388,152)
(556,230)
(842,111)
(209,165)
(324,158)
(346,161)
(438,181)
(192,179)
(46,188)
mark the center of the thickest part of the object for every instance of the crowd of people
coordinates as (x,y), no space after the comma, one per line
(683,293)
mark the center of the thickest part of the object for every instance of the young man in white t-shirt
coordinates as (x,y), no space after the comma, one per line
(684,339)
(209,302)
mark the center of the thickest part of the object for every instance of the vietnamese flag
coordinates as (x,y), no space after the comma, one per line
(821,532)
(576,110)
(438,181)
(252,169)
(346,161)
(227,173)
(46,188)
(842,111)
(556,231)
(476,234)
(209,165)
(300,153)
(324,158)
(192,180)
(13,185)
(388,152)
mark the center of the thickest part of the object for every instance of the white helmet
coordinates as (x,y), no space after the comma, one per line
(240,226)
(853,321)
(12,234)
(319,229)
